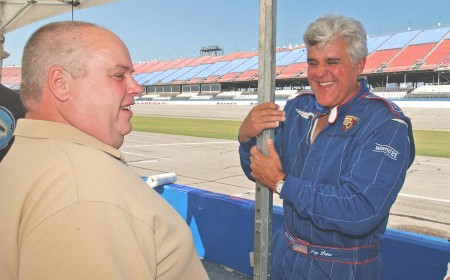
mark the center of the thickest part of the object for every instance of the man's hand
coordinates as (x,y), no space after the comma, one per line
(266,169)
(263,116)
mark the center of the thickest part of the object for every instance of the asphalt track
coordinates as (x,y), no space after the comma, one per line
(423,205)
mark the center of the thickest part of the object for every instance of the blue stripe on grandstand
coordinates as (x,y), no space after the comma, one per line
(291,57)
(176,74)
(150,78)
(302,58)
(140,76)
(162,76)
(228,68)
(247,65)
(213,69)
(194,72)
(280,55)
(399,40)
(374,42)
(430,36)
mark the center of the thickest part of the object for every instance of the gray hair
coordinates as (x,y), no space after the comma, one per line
(330,27)
(58,43)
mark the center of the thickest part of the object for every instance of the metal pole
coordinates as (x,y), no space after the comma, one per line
(266,92)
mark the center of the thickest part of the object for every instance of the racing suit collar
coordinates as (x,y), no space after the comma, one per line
(342,108)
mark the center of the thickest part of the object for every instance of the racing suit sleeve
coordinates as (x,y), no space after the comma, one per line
(244,155)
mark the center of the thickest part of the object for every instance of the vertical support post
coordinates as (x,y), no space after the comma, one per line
(266,92)
(3,53)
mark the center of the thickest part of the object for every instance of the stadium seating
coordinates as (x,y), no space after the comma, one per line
(228,77)
(437,56)
(431,91)
(248,75)
(414,52)
(379,60)
(211,79)
(11,76)
(408,57)
(228,95)
(292,71)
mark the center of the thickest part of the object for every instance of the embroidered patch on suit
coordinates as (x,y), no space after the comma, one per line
(349,122)
(304,114)
(387,150)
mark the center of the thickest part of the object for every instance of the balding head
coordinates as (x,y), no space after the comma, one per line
(80,74)
(62,44)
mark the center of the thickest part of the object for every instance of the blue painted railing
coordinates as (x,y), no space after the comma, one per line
(222,227)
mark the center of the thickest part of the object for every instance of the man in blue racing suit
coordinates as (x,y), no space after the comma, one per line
(338,160)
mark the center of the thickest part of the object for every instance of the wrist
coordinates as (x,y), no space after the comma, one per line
(279,185)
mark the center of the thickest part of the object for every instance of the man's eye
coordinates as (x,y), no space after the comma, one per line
(119,76)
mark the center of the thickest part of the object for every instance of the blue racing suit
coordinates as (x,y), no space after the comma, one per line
(340,188)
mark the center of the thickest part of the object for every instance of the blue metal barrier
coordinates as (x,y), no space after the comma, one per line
(222,227)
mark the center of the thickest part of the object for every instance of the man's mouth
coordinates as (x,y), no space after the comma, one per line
(325,84)
(128,107)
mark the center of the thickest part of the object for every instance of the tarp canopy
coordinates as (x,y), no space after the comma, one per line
(18,13)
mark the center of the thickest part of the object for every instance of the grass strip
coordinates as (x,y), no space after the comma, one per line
(218,129)
(428,142)
(432,143)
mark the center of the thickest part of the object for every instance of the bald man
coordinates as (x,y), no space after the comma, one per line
(69,206)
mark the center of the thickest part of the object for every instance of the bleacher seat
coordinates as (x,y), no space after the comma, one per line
(292,71)
(247,96)
(248,75)
(413,51)
(437,56)
(11,75)
(228,94)
(408,57)
(378,60)
(201,97)
(228,77)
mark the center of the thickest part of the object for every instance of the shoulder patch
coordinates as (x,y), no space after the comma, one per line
(7,126)
(391,105)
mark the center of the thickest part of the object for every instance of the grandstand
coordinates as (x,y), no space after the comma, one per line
(397,66)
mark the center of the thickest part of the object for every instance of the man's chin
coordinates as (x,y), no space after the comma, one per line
(127,131)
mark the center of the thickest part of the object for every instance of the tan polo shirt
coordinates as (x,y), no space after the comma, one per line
(71,209)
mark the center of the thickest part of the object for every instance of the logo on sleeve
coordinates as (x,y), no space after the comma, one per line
(349,122)
(387,150)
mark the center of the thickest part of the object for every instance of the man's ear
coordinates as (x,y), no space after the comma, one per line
(59,83)
(360,65)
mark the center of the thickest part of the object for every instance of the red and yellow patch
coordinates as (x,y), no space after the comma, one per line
(349,122)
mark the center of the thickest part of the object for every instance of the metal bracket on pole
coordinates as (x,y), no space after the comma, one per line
(266,92)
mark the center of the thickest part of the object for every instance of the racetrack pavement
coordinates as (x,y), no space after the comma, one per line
(423,205)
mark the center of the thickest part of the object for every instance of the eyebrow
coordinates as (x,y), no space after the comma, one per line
(122,67)
(333,59)
(328,60)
